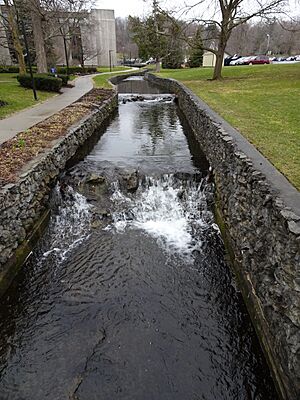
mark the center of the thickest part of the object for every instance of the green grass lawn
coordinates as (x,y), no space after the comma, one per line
(262,102)
(17,97)
(101,81)
(114,69)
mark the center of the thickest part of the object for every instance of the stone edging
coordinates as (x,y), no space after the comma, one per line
(260,210)
(119,78)
(24,203)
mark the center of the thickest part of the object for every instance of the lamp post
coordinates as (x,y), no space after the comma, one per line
(110,51)
(63,34)
(29,60)
(268,44)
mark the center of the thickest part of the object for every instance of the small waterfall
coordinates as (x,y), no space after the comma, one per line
(69,224)
(170,209)
(148,98)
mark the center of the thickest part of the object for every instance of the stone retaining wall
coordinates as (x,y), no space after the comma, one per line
(260,213)
(119,78)
(24,204)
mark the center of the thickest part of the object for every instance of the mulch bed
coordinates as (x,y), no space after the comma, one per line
(25,146)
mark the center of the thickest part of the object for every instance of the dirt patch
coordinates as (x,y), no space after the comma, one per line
(25,146)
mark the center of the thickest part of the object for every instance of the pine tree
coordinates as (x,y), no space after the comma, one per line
(196,56)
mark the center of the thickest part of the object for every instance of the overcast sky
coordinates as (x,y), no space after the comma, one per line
(124,8)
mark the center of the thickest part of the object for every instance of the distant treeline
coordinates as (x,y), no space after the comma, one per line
(280,38)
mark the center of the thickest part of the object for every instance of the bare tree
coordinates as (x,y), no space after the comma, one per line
(278,37)
(38,34)
(125,44)
(11,20)
(227,15)
(55,18)
(73,21)
(87,41)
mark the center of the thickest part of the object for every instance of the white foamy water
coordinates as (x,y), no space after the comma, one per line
(168,209)
(147,98)
(69,224)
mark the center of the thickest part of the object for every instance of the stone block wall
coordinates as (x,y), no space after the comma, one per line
(260,211)
(24,203)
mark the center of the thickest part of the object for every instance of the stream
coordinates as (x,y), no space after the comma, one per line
(128,294)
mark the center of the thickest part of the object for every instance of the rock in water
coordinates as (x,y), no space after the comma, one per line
(131,180)
(95,179)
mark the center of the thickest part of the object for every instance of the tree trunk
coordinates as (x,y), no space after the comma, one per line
(219,64)
(220,55)
(157,67)
(16,38)
(38,36)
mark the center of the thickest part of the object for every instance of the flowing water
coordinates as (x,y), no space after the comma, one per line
(128,294)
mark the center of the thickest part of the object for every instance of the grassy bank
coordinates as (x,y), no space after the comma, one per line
(262,102)
(101,81)
(16,96)
(114,69)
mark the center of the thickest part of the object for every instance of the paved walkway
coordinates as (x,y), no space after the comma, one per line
(25,119)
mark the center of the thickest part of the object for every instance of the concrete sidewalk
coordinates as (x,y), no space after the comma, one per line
(23,120)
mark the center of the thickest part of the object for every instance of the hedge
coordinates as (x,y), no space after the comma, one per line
(76,70)
(63,77)
(60,70)
(13,69)
(42,82)
(9,68)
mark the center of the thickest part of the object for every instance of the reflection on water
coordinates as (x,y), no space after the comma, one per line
(147,136)
(137,84)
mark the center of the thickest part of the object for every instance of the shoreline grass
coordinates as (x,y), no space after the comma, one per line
(262,102)
(102,81)
(114,69)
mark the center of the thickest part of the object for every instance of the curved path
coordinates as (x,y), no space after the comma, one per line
(25,119)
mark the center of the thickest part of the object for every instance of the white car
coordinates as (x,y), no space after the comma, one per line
(244,60)
(234,62)
(239,61)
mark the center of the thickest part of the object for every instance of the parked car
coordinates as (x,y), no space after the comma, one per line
(236,61)
(258,60)
(230,59)
(244,60)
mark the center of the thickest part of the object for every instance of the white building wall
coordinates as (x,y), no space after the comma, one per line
(209,59)
(98,37)
(101,35)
